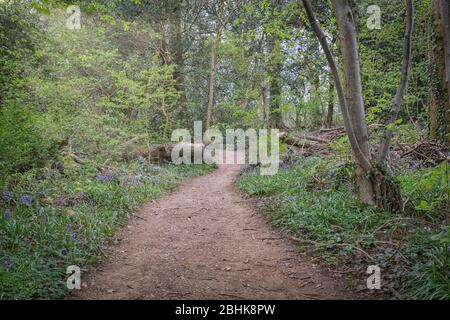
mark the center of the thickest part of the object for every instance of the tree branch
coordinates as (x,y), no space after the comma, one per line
(395,108)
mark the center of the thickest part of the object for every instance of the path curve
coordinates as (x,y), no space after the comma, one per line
(204,241)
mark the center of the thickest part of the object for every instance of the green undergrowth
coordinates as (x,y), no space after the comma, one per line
(52,218)
(315,201)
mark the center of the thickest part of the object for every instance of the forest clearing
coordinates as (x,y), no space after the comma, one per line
(114,116)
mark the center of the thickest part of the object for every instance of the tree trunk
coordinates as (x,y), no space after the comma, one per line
(445,7)
(395,109)
(375,188)
(265,93)
(275,68)
(354,98)
(212,74)
(330,112)
(439,113)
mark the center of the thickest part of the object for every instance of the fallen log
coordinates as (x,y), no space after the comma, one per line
(298,142)
(163,152)
(316,139)
(332,129)
(295,140)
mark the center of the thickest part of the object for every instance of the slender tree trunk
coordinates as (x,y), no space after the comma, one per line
(178,56)
(445,7)
(395,109)
(212,74)
(274,68)
(354,97)
(439,113)
(330,111)
(177,47)
(265,93)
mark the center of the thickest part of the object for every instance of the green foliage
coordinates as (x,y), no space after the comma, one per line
(431,278)
(22,143)
(427,191)
(316,201)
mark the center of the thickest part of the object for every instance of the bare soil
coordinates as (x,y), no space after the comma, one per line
(204,241)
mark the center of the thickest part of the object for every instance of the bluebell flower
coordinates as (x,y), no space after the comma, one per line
(5,261)
(443,230)
(283,165)
(74,236)
(41,210)
(291,198)
(7,196)
(412,165)
(8,213)
(26,200)
(102,177)
(8,263)
(168,162)
(161,170)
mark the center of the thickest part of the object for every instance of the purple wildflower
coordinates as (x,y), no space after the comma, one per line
(283,165)
(74,236)
(8,213)
(102,177)
(7,196)
(443,230)
(8,263)
(291,198)
(161,170)
(413,165)
(41,210)
(26,200)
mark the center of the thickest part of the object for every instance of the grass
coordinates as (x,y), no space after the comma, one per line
(51,219)
(315,201)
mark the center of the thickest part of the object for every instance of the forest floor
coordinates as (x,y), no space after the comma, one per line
(204,241)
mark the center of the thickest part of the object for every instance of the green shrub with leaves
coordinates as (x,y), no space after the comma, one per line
(23,145)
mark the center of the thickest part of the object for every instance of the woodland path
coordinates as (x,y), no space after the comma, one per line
(204,241)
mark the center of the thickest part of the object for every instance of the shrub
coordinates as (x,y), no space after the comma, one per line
(22,144)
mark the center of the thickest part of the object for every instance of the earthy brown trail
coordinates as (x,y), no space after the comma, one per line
(204,241)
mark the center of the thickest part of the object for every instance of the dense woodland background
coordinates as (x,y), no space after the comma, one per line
(82,109)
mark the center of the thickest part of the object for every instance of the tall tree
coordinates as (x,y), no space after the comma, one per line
(330,111)
(374,185)
(215,39)
(439,113)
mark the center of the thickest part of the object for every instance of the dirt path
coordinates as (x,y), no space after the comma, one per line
(203,241)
